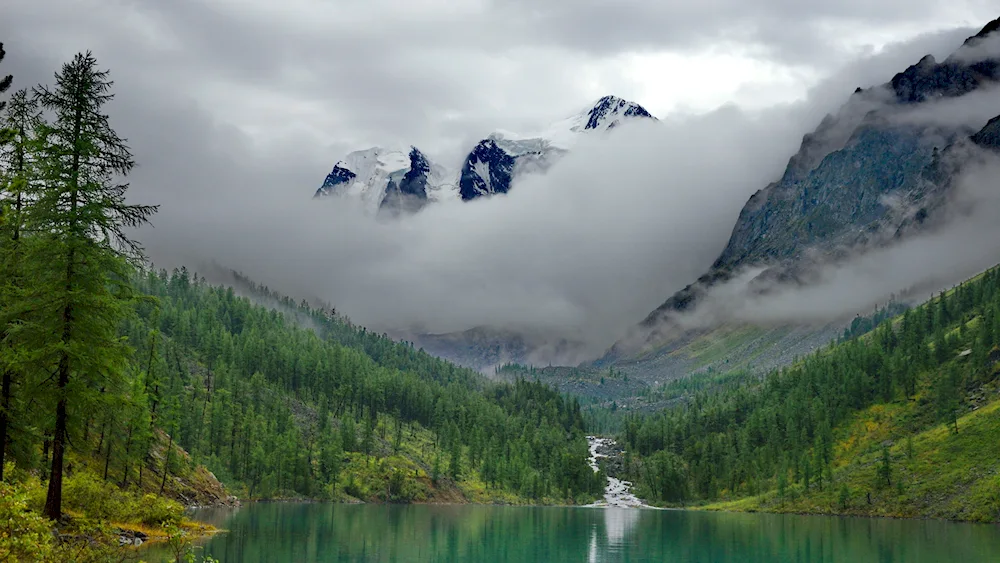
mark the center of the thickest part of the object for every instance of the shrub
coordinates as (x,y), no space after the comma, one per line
(89,495)
(24,535)
(85,493)
(153,510)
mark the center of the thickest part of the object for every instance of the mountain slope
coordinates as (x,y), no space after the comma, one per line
(298,402)
(870,174)
(898,422)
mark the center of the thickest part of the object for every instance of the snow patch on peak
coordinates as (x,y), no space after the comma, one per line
(373,175)
(367,175)
(609,111)
(503,155)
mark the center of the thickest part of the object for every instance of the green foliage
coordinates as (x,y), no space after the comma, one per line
(61,329)
(665,478)
(261,392)
(883,477)
(89,495)
(737,440)
(24,534)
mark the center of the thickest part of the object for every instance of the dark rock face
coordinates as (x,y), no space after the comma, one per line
(336,177)
(989,28)
(953,77)
(409,193)
(989,136)
(496,162)
(846,190)
(609,104)
(928,79)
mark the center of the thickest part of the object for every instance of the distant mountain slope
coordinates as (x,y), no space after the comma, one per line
(866,176)
(901,421)
(281,400)
(398,180)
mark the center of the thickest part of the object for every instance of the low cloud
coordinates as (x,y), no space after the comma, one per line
(964,241)
(580,254)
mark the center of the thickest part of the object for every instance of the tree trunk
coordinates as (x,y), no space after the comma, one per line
(107,460)
(100,442)
(166,463)
(4,416)
(156,387)
(53,496)
(128,447)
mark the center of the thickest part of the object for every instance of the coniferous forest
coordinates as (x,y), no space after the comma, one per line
(853,428)
(119,381)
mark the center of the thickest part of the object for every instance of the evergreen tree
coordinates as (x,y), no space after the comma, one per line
(79,254)
(5,81)
(455,465)
(947,396)
(348,434)
(884,471)
(20,120)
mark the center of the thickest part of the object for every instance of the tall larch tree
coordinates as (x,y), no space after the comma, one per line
(20,119)
(5,396)
(80,255)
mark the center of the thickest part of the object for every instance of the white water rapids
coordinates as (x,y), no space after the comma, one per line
(617,493)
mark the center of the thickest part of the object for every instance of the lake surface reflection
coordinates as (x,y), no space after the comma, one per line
(283,532)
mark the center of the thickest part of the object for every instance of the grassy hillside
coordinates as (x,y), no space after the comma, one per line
(900,420)
(934,473)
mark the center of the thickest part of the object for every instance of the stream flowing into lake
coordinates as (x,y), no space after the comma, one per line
(617,493)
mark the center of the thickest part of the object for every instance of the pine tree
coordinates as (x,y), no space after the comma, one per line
(455,464)
(436,470)
(885,467)
(947,396)
(6,81)
(79,254)
(844,497)
(20,120)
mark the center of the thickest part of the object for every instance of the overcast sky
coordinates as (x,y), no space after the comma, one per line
(334,75)
(236,109)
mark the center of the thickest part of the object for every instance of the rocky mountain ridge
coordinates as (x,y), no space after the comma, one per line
(864,178)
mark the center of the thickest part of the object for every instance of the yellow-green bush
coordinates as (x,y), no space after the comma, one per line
(24,534)
(87,494)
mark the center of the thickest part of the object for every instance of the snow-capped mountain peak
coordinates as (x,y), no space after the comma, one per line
(404,179)
(360,169)
(608,112)
(394,179)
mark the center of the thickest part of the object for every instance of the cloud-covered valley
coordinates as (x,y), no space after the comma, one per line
(581,253)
